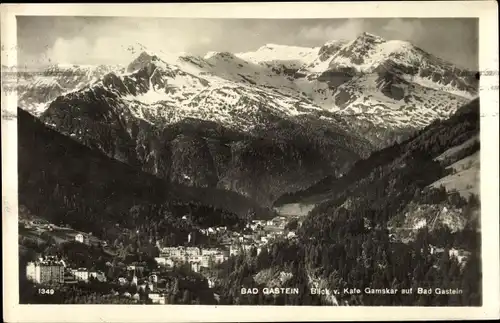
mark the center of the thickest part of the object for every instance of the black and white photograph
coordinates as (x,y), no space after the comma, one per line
(249,161)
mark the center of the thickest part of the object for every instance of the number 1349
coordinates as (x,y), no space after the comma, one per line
(46,291)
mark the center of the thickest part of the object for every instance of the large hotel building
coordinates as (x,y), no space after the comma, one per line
(45,272)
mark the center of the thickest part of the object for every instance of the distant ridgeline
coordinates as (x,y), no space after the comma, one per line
(62,180)
(384,224)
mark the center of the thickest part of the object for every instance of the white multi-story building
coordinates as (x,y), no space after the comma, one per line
(157,298)
(234,250)
(81,274)
(205,261)
(161,260)
(192,259)
(99,275)
(79,238)
(195,266)
(219,258)
(169,263)
(211,251)
(45,272)
(167,252)
(179,252)
(193,251)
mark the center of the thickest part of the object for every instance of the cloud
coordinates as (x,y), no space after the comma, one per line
(206,40)
(347,30)
(64,50)
(84,51)
(404,29)
(101,40)
(108,44)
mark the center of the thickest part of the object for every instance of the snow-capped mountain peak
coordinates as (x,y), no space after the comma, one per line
(210,54)
(219,55)
(366,36)
(145,58)
(289,56)
(390,83)
(36,89)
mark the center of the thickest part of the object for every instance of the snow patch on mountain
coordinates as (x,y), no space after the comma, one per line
(390,83)
(289,56)
(37,89)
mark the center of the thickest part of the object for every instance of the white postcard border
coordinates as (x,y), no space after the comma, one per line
(486,11)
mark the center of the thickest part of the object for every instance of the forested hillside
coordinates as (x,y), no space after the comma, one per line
(385,225)
(64,181)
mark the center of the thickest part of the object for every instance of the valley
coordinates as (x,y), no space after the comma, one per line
(284,167)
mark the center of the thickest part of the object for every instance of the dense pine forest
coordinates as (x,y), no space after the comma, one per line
(360,236)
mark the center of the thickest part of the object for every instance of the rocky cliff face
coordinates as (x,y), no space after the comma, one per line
(206,154)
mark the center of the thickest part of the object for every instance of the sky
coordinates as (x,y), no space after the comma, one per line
(46,40)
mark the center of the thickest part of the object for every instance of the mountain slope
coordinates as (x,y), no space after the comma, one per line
(305,120)
(428,143)
(278,156)
(392,219)
(36,89)
(385,227)
(62,180)
(367,53)
(369,77)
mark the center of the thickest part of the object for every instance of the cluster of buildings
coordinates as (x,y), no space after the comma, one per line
(84,275)
(35,223)
(255,237)
(460,254)
(215,230)
(278,221)
(146,285)
(156,298)
(195,256)
(51,270)
(257,234)
(88,239)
